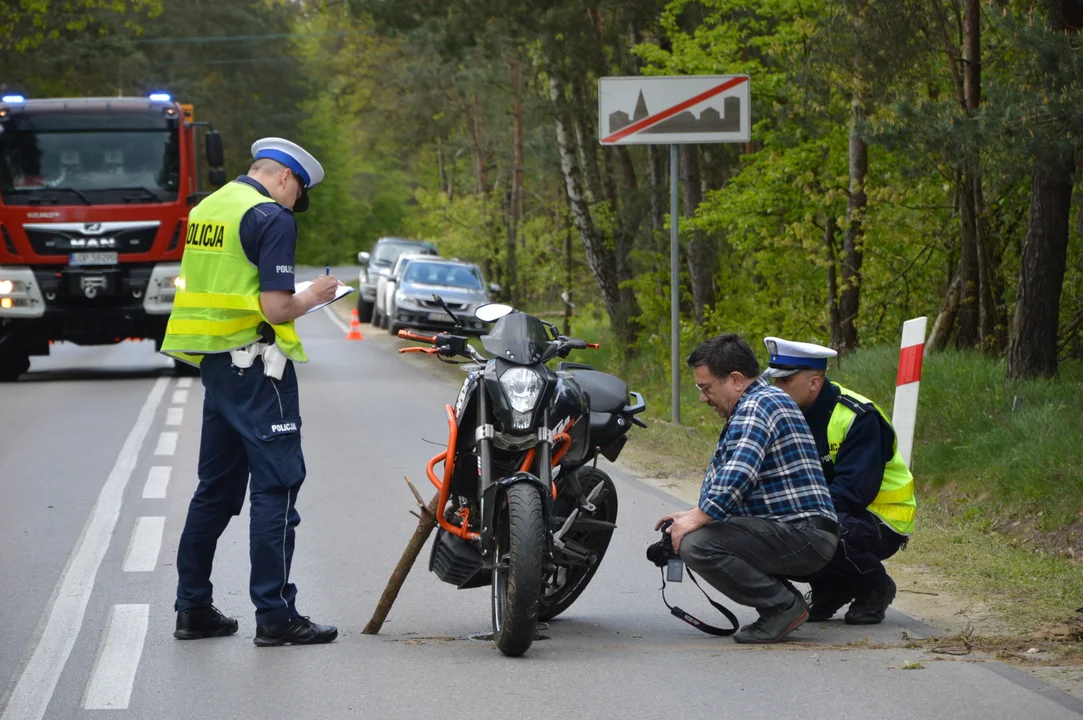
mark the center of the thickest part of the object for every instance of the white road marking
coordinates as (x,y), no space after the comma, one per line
(184,383)
(336,320)
(111,684)
(174,416)
(157,480)
(180,397)
(146,542)
(32,693)
(167,444)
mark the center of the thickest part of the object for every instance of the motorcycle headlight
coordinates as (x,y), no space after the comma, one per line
(522,387)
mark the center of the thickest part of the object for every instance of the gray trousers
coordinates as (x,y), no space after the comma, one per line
(744,557)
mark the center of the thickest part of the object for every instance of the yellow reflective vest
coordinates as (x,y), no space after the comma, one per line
(217,306)
(895,504)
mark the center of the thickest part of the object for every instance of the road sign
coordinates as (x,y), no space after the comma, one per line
(683,109)
(679,110)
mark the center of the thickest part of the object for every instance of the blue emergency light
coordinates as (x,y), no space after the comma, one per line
(160,97)
(13,99)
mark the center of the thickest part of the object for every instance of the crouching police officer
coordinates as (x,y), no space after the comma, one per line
(871,487)
(233,317)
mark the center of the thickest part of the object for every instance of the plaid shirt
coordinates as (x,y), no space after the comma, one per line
(766,464)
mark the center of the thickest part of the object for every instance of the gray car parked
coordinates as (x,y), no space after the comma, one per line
(460,284)
(379,262)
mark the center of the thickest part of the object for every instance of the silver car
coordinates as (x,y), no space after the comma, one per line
(461,285)
(379,262)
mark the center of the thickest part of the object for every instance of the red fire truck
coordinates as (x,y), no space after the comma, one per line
(94,201)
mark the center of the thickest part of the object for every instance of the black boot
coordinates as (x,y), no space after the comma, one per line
(297,631)
(871,604)
(203,622)
(825,601)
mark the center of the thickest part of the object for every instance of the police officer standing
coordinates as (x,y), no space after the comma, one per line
(233,317)
(870,485)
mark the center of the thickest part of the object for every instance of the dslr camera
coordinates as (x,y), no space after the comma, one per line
(663,555)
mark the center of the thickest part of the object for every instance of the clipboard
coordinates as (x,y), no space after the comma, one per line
(341,292)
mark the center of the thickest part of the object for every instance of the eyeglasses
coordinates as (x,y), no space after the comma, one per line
(300,186)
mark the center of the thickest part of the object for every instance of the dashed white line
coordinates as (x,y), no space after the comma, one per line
(167,444)
(174,416)
(184,382)
(111,684)
(157,480)
(146,542)
(34,690)
(180,397)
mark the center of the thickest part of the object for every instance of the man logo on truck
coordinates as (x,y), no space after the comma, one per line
(205,236)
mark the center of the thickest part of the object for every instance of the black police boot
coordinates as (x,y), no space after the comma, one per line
(296,631)
(203,622)
(825,602)
(871,604)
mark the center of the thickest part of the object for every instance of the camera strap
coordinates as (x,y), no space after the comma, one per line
(692,619)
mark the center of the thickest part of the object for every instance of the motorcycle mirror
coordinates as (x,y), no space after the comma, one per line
(491,312)
(443,305)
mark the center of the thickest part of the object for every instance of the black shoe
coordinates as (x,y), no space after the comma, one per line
(774,627)
(824,603)
(203,622)
(297,631)
(869,606)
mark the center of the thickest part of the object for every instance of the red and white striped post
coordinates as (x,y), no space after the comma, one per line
(907,381)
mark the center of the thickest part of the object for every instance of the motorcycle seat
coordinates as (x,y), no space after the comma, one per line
(607,393)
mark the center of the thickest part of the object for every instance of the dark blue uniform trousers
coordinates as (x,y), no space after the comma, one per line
(857,565)
(251,428)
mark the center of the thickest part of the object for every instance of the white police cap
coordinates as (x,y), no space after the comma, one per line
(789,358)
(296,158)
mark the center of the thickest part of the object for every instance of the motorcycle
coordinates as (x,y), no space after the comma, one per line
(523,508)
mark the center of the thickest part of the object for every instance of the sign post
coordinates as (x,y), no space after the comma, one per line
(684,109)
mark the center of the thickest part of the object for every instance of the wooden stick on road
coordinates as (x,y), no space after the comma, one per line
(426,521)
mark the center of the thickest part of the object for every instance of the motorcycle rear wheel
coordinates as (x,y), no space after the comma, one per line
(564,586)
(517,573)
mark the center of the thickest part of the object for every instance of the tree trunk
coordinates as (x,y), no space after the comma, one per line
(516,199)
(1032,345)
(987,308)
(656,174)
(834,313)
(850,299)
(968,333)
(702,260)
(601,256)
(945,319)
(1032,342)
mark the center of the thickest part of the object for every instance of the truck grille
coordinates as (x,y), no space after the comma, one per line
(66,238)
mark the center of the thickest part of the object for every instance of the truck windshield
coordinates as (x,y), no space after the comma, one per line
(88,167)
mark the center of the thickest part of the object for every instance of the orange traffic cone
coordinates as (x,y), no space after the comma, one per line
(355,327)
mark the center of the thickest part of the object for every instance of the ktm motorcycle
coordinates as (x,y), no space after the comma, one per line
(523,508)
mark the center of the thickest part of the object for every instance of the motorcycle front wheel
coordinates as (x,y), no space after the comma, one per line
(517,572)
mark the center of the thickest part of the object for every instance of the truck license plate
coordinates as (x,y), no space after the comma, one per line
(93,258)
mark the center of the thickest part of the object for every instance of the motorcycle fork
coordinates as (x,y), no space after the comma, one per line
(490,488)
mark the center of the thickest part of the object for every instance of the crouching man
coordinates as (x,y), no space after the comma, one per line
(764,510)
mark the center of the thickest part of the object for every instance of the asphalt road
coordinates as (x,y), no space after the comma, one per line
(97,464)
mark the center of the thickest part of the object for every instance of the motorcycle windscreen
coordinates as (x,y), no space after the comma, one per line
(517,338)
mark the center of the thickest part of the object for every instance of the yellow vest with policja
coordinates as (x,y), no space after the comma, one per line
(217,306)
(895,504)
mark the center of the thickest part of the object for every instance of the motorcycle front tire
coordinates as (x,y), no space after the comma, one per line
(517,576)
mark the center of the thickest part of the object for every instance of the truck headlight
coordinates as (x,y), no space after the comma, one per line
(6,287)
(522,387)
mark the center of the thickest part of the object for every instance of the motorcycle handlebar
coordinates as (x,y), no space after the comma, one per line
(407,335)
